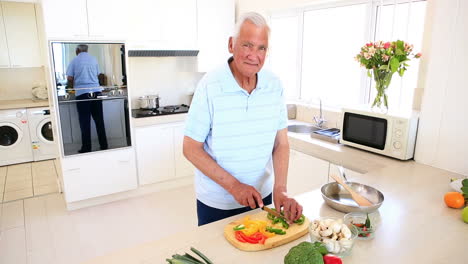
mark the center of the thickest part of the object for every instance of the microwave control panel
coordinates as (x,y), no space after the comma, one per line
(398,136)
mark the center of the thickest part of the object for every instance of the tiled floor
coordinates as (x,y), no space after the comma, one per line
(40,230)
(27,180)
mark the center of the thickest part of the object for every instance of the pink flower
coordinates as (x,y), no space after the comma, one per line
(387,45)
(369,44)
(379,44)
(367,55)
(385,57)
(418,55)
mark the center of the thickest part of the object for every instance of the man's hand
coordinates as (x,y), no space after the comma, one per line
(246,195)
(292,209)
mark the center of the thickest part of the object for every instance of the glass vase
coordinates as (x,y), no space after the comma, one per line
(382,80)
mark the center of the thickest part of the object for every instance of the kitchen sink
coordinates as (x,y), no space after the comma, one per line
(303,129)
(331,135)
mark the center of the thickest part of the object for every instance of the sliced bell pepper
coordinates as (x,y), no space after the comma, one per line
(239,236)
(248,239)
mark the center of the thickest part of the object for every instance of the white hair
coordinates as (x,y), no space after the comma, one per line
(253,17)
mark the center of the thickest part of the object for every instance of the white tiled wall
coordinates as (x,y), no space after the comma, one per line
(307,112)
(172,78)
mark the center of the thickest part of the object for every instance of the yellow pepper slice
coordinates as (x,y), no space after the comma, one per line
(253,226)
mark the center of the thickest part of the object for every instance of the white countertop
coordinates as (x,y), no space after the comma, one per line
(22,103)
(155,120)
(416,226)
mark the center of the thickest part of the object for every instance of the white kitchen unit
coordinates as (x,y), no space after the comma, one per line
(215,24)
(108,18)
(4,56)
(163,25)
(97,174)
(65,18)
(305,172)
(183,167)
(159,153)
(20,36)
(82,19)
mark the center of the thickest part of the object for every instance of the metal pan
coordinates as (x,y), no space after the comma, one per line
(339,199)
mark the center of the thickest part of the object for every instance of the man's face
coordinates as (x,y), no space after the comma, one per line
(250,49)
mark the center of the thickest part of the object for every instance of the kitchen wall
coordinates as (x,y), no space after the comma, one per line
(172,78)
(442,137)
(442,92)
(16,83)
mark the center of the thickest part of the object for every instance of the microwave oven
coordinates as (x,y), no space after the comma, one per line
(391,135)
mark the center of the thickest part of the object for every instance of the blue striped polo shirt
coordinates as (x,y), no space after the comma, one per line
(238,130)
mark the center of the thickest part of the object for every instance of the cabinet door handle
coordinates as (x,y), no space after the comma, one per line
(75,169)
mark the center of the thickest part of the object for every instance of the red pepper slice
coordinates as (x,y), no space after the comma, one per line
(239,236)
(260,237)
(248,239)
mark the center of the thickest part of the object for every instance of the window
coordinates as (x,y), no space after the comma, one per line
(313,49)
(285,61)
(328,68)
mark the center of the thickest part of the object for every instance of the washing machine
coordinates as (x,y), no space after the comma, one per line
(15,142)
(44,146)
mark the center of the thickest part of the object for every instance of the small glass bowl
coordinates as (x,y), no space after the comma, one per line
(337,247)
(358,219)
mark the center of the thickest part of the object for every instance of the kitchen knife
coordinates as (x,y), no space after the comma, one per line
(274,212)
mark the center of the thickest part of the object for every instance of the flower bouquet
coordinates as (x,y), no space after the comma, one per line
(384,59)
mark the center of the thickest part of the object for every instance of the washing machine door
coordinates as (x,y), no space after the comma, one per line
(10,135)
(44,131)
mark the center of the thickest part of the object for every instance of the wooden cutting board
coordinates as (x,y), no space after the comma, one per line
(294,232)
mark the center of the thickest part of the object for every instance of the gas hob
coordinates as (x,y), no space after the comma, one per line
(165,110)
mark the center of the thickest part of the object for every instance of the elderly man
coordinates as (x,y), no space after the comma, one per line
(236,132)
(83,74)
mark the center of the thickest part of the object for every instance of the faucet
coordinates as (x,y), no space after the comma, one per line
(320,121)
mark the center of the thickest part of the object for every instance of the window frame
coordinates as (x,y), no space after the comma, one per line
(370,36)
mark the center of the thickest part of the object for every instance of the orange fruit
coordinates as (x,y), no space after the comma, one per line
(454,199)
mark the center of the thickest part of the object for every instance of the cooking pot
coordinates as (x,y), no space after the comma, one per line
(149,101)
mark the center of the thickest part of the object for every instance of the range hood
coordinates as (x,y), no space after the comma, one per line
(163,53)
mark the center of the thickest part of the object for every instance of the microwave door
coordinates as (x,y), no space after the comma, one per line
(368,131)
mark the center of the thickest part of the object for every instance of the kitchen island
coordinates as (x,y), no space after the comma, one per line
(416,227)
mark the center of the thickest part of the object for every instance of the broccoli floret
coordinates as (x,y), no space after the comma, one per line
(304,253)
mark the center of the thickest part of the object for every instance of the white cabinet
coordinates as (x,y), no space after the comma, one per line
(155,153)
(65,18)
(183,167)
(215,25)
(21,35)
(169,24)
(108,18)
(305,173)
(4,56)
(159,153)
(163,24)
(145,15)
(180,23)
(98,173)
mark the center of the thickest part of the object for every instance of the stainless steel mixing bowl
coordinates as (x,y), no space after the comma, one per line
(338,198)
